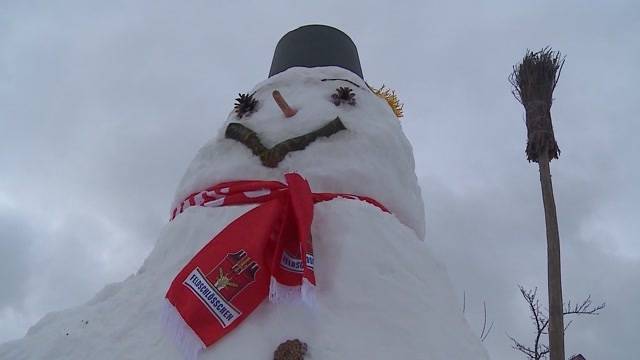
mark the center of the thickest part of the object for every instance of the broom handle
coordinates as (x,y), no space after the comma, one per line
(554,281)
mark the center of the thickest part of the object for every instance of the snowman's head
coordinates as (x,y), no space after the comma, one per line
(324,123)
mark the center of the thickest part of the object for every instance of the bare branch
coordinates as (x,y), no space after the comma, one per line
(539,350)
(484,321)
(464,302)
(584,308)
(568,324)
(530,297)
(544,352)
(488,332)
(485,332)
(523,349)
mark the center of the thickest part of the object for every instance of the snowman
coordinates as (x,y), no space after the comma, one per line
(301,219)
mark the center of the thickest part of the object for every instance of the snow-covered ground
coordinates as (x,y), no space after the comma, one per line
(380,292)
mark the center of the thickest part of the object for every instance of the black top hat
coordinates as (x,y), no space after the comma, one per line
(315,45)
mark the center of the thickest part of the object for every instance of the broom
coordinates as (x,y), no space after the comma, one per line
(533,83)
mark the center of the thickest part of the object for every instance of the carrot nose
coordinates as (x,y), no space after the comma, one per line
(282,104)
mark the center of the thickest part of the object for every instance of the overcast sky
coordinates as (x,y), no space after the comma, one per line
(103,104)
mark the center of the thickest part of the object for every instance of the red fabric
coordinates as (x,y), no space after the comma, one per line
(230,276)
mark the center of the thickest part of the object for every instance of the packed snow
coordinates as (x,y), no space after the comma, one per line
(380,292)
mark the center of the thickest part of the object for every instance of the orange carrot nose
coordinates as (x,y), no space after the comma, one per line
(282,104)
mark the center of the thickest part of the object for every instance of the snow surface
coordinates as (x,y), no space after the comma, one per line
(380,293)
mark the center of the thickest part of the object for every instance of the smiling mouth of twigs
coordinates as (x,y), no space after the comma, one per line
(272,157)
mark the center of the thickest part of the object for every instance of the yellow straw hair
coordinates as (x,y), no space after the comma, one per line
(391,98)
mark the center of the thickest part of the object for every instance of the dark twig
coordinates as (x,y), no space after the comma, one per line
(485,332)
(584,308)
(272,157)
(246,136)
(464,301)
(349,81)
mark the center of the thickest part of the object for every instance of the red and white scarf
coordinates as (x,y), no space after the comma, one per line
(266,251)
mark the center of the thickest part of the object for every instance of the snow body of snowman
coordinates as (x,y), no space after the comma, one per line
(380,293)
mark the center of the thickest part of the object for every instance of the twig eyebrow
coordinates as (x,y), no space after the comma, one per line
(349,81)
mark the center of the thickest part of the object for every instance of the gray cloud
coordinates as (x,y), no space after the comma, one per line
(16,239)
(102,106)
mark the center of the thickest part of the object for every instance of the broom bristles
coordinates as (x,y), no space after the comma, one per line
(534,81)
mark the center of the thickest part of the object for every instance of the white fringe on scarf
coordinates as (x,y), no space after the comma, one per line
(283,294)
(186,340)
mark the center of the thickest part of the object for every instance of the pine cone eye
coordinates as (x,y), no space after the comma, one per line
(343,94)
(245,105)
